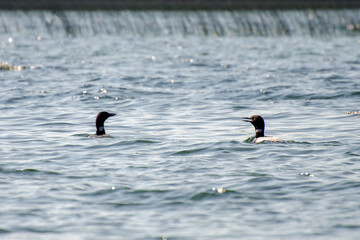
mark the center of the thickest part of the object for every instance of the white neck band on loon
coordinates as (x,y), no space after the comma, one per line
(101,128)
(258,130)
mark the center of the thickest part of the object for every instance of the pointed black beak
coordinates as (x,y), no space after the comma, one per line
(246,119)
(112,114)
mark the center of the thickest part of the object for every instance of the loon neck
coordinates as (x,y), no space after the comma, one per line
(100,130)
(259,132)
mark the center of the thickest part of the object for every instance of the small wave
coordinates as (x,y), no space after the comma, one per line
(236,146)
(81,135)
(260,178)
(349,153)
(295,96)
(55,124)
(341,185)
(204,195)
(121,204)
(27,171)
(142,191)
(329,143)
(355,93)
(134,142)
(145,141)
(190,151)
(348,226)
(2,230)
(100,192)
(213,193)
(39,230)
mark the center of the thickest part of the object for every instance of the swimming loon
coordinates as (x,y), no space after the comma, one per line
(100,119)
(259,125)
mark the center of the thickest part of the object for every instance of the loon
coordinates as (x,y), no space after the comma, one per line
(100,119)
(259,125)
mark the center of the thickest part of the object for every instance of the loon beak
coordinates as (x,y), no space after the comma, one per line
(112,114)
(246,119)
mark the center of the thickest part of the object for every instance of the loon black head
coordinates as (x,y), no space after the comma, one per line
(100,119)
(258,123)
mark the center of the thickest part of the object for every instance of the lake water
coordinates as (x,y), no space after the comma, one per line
(178,164)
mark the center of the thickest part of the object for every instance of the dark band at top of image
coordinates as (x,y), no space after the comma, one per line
(176,4)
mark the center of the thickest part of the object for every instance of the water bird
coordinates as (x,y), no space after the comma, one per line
(259,125)
(100,119)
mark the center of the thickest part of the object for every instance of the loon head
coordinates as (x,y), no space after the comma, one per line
(258,123)
(100,119)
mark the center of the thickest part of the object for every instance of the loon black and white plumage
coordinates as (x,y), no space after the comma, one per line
(100,119)
(259,125)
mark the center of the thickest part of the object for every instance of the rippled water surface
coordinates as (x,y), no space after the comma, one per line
(177,165)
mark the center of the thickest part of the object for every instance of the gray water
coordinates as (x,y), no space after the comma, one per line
(178,164)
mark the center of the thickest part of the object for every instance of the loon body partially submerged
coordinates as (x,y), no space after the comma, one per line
(259,125)
(100,119)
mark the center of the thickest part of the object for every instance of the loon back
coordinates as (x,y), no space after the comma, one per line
(266,139)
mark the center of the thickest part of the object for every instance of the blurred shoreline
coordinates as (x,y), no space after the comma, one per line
(175,4)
